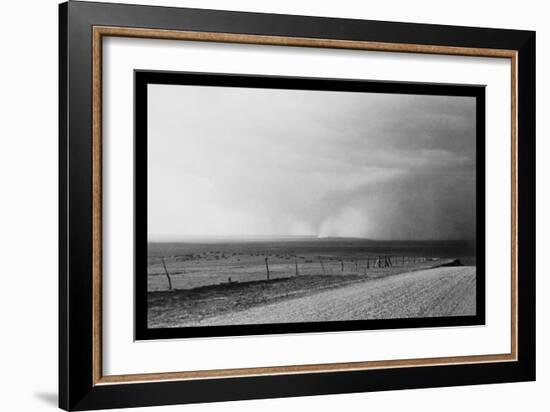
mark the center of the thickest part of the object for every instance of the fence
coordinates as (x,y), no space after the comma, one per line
(175,272)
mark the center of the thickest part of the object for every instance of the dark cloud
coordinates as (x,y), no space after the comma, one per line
(225,161)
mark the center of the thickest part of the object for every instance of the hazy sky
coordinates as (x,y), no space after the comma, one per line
(238,161)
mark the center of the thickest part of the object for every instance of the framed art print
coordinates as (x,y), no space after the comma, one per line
(259,205)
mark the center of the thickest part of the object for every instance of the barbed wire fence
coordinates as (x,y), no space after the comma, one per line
(275,266)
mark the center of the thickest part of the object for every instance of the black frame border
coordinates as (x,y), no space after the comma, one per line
(142,78)
(77,390)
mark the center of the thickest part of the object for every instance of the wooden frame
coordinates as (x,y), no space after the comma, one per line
(82,383)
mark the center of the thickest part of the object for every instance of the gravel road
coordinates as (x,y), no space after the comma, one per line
(445,291)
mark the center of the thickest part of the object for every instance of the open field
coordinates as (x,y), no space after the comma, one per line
(202,263)
(253,282)
(443,291)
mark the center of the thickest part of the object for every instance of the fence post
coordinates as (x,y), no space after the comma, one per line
(167,274)
(267,268)
(322,266)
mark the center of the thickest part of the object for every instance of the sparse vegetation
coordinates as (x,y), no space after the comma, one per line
(214,278)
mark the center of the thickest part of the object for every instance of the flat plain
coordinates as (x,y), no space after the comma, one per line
(254,281)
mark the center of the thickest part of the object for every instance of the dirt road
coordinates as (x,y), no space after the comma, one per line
(446,291)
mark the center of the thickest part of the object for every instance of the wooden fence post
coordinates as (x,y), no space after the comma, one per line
(267,268)
(167,274)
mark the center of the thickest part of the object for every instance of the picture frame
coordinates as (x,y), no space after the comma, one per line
(84,113)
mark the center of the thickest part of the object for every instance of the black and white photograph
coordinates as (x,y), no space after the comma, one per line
(316,204)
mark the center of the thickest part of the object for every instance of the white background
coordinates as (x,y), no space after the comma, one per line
(28,218)
(124,356)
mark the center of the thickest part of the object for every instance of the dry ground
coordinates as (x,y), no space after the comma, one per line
(436,292)
(444,291)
